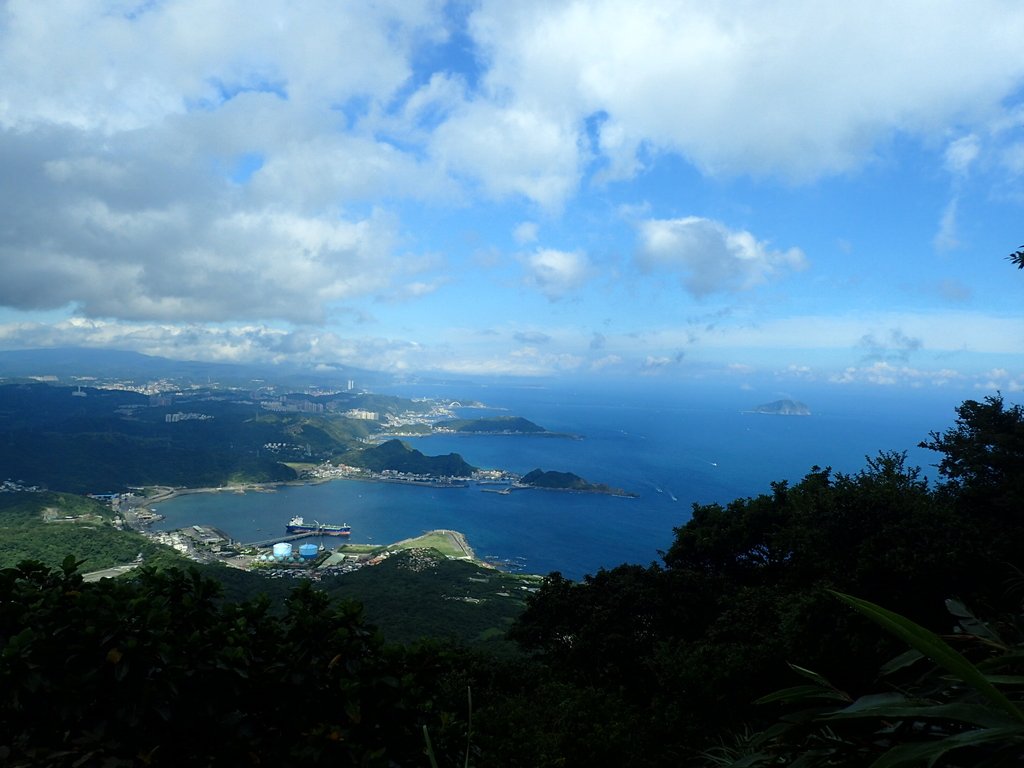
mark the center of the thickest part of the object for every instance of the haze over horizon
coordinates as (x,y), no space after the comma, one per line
(800,191)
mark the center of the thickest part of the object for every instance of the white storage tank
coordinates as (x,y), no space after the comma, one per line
(282,551)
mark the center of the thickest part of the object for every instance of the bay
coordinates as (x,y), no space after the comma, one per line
(671,447)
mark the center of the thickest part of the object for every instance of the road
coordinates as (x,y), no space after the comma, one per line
(109,573)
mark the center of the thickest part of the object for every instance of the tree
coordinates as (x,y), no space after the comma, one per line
(983,454)
(1017,257)
(159,671)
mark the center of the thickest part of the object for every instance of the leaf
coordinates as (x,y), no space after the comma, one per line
(430,748)
(902,661)
(971,624)
(972,714)
(798,692)
(932,751)
(811,675)
(935,648)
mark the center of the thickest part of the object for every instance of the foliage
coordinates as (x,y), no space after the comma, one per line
(957,713)
(687,645)
(110,439)
(156,670)
(567,481)
(492,424)
(1017,257)
(418,594)
(399,457)
(28,535)
(983,454)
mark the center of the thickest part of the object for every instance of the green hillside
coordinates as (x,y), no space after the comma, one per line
(493,425)
(399,457)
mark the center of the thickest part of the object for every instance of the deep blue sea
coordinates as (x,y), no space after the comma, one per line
(671,446)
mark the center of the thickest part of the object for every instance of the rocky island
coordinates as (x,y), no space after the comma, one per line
(783,408)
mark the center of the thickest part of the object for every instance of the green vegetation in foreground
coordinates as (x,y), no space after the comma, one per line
(33,527)
(420,593)
(397,456)
(567,481)
(495,425)
(638,667)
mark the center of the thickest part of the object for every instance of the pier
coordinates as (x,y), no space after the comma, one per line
(279,539)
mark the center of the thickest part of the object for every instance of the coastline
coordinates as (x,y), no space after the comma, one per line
(458,539)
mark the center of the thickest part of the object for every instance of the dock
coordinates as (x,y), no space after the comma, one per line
(279,539)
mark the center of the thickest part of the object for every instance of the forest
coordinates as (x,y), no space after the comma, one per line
(863,619)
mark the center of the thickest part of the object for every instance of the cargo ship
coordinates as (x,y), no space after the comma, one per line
(299,525)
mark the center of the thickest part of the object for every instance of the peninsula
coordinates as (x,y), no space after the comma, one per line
(567,481)
(396,456)
(495,425)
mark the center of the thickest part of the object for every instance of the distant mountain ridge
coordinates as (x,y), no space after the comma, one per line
(67,362)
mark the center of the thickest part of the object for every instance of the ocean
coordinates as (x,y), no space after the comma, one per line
(673,447)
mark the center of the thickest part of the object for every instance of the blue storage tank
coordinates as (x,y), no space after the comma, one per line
(308,551)
(282,551)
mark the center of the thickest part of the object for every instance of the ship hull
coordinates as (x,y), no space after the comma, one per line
(322,530)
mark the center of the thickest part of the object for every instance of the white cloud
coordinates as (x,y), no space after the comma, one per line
(511,151)
(711,257)
(946,238)
(525,232)
(888,374)
(960,154)
(93,66)
(798,88)
(556,273)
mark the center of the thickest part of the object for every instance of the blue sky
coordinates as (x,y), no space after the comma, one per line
(792,191)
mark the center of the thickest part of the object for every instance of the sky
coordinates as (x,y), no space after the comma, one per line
(800,190)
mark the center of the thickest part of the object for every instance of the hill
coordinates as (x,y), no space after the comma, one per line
(496,425)
(396,456)
(566,481)
(49,526)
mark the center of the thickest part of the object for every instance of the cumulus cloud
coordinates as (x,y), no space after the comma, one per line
(110,69)
(255,342)
(796,88)
(658,363)
(167,162)
(511,151)
(961,153)
(711,257)
(608,361)
(556,273)
(889,374)
(101,232)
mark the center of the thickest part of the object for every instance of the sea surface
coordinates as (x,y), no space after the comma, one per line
(671,446)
